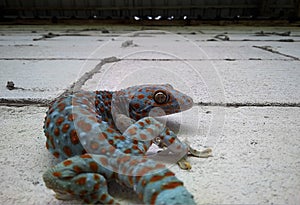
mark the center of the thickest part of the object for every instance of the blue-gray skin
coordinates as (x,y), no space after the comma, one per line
(87,122)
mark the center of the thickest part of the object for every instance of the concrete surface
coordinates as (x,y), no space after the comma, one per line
(246,92)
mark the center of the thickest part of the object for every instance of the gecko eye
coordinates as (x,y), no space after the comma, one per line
(160,97)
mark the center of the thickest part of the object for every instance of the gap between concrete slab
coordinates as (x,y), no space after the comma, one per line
(264,104)
(269,49)
(155,59)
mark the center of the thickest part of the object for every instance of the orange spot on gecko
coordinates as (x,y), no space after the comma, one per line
(110,130)
(96,177)
(59,121)
(48,122)
(150,131)
(135,147)
(81,181)
(171,185)
(86,156)
(86,127)
(122,138)
(171,140)
(74,137)
(72,117)
(160,166)
(77,169)
(132,131)
(153,198)
(136,105)
(97,102)
(67,162)
(169,174)
(61,106)
(65,128)
(103,151)
(122,160)
(135,141)
(111,142)
(145,147)
(56,132)
(141,124)
(130,179)
(56,174)
(111,149)
(143,137)
(156,178)
(102,136)
(144,171)
(52,141)
(141,96)
(93,166)
(56,154)
(148,121)
(103,197)
(103,161)
(134,162)
(67,151)
(144,182)
(85,101)
(94,145)
(127,151)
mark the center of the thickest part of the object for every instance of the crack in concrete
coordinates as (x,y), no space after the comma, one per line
(72,88)
(269,49)
(25,102)
(29,59)
(76,86)
(249,104)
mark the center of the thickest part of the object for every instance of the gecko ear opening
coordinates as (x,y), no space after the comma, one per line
(160,97)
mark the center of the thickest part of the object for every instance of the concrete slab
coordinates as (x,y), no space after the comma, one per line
(163,44)
(255,157)
(260,81)
(58,47)
(40,79)
(173,46)
(257,81)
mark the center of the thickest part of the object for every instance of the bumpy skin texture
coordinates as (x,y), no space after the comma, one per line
(105,135)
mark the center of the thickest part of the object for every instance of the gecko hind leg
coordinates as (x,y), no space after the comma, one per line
(92,188)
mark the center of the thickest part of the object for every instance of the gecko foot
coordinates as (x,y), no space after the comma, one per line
(184,164)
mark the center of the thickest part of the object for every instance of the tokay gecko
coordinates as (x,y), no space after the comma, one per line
(101,136)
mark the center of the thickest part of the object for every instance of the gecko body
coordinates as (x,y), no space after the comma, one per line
(102,135)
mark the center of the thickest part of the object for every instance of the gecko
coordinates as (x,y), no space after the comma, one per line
(104,135)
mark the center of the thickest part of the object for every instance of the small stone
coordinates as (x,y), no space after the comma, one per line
(10,85)
(105,31)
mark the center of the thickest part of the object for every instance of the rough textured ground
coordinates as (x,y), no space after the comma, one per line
(246,92)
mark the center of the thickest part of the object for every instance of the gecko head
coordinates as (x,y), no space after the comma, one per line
(176,196)
(158,100)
